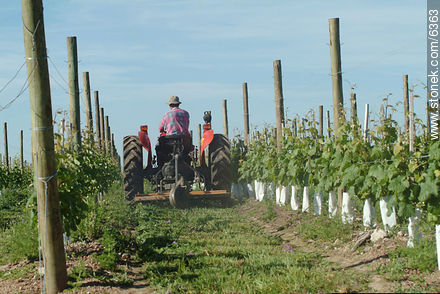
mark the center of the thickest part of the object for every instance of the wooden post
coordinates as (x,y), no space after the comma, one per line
(225,118)
(412,127)
(246,114)
(101,126)
(335,55)
(6,144)
(279,101)
(405,104)
(321,121)
(63,131)
(382,114)
(43,153)
(98,120)
(113,149)
(353,104)
(88,105)
(106,135)
(72,62)
(295,127)
(21,151)
(366,121)
(303,124)
(328,124)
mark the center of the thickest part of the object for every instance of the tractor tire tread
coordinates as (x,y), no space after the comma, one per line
(133,167)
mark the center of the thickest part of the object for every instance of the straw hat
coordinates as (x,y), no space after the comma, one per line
(173,100)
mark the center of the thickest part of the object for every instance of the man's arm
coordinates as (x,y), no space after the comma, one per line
(162,125)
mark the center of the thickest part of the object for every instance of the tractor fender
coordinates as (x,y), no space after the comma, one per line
(208,135)
(145,141)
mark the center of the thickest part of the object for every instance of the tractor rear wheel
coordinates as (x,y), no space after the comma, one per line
(133,167)
(220,158)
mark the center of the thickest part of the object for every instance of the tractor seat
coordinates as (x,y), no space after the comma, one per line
(167,145)
(172,139)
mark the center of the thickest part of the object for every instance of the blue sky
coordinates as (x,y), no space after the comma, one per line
(139,53)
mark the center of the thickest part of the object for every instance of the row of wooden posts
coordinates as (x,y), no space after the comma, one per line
(338,102)
(408,103)
(104,138)
(7,160)
(225,117)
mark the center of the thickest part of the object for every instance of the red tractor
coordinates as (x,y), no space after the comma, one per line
(173,171)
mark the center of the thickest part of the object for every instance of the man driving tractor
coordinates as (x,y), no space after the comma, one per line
(174,123)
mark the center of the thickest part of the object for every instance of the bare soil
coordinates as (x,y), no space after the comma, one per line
(80,253)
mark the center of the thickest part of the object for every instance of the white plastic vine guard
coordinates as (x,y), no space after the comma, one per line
(281,195)
(251,190)
(317,203)
(270,191)
(369,216)
(294,198)
(332,204)
(347,212)
(235,190)
(259,190)
(437,239)
(413,228)
(389,221)
(306,202)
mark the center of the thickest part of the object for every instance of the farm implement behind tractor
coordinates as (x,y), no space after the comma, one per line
(174,172)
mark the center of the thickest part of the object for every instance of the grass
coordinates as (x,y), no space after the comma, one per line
(12,205)
(322,228)
(218,250)
(19,242)
(24,272)
(18,237)
(270,213)
(406,260)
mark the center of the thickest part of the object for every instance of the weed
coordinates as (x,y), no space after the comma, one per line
(270,213)
(80,272)
(113,211)
(19,242)
(12,205)
(20,272)
(123,280)
(421,258)
(323,228)
(77,274)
